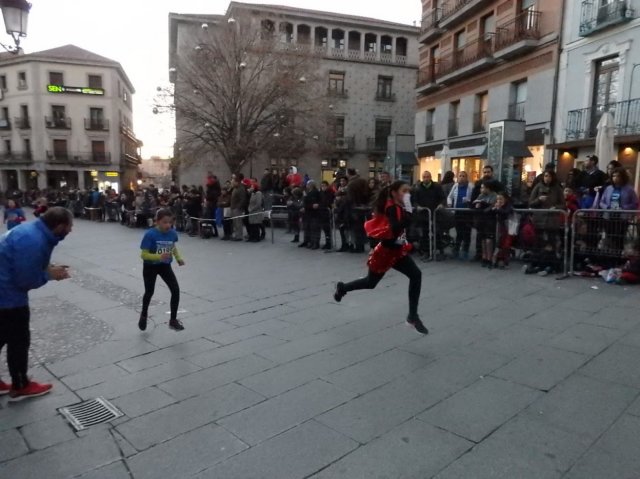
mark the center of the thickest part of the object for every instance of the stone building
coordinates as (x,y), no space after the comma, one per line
(484,61)
(65,121)
(599,71)
(370,68)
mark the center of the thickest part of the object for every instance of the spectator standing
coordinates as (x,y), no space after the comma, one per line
(620,195)
(426,196)
(13,214)
(327,199)
(358,203)
(239,200)
(460,197)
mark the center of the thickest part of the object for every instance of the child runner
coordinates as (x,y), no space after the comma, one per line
(13,214)
(158,250)
(392,252)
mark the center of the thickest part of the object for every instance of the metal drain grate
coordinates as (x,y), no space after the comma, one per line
(89,413)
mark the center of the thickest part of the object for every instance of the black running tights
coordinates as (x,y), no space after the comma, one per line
(150,272)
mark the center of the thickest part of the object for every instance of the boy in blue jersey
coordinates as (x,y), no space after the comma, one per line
(158,250)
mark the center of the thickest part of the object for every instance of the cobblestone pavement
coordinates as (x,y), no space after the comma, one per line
(521,377)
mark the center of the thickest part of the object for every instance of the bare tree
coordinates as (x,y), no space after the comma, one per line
(239,92)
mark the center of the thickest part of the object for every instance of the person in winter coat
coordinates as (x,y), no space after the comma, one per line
(25,255)
(293,178)
(460,197)
(548,193)
(620,195)
(311,217)
(13,214)
(238,202)
(327,199)
(254,210)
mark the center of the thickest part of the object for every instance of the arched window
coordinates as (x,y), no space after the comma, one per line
(286,32)
(321,37)
(337,39)
(354,40)
(304,34)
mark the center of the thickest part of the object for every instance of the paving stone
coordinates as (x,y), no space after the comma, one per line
(165,355)
(235,351)
(374,372)
(305,346)
(294,454)
(27,412)
(88,453)
(556,319)
(45,433)
(619,363)
(186,454)
(140,380)
(164,424)
(95,376)
(115,470)
(245,332)
(515,339)
(143,401)
(615,454)
(586,339)
(271,417)
(542,367)
(524,449)
(583,406)
(481,408)
(211,378)
(412,450)
(615,317)
(13,445)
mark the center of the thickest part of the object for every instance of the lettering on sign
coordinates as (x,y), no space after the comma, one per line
(76,90)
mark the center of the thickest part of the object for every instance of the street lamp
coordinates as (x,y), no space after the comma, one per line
(15,14)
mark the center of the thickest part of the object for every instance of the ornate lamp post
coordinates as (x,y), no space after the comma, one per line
(16,15)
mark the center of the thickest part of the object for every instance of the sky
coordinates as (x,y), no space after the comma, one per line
(135,33)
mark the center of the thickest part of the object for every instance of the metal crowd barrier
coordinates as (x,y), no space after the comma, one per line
(539,236)
(603,236)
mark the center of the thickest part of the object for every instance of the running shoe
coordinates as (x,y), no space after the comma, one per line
(175,325)
(4,388)
(31,390)
(340,292)
(417,324)
(142,322)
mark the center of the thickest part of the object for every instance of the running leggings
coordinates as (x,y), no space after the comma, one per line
(150,272)
(15,333)
(406,266)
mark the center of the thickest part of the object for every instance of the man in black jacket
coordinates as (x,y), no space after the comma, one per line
(495,185)
(591,182)
(427,195)
(358,198)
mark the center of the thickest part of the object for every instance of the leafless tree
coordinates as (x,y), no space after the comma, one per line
(240,92)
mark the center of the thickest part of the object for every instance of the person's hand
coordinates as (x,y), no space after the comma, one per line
(180,262)
(165,256)
(316,206)
(543,198)
(58,273)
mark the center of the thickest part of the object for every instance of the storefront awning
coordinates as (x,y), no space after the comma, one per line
(516,149)
(406,158)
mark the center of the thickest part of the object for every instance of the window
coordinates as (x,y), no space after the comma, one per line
(60,149)
(385,88)
(125,96)
(336,83)
(5,113)
(95,81)
(488,25)
(119,89)
(518,100)
(98,151)
(22,80)
(58,117)
(431,119)
(7,146)
(27,147)
(454,118)
(460,40)
(338,127)
(24,112)
(96,119)
(605,86)
(530,5)
(56,78)
(58,112)
(480,116)
(3,82)
(382,133)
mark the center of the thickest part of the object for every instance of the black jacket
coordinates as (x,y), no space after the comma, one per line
(589,181)
(430,196)
(358,191)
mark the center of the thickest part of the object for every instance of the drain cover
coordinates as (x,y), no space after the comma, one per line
(89,413)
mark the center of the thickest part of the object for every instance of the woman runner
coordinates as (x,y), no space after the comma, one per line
(392,252)
(158,250)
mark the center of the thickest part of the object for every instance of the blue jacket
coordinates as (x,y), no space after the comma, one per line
(25,252)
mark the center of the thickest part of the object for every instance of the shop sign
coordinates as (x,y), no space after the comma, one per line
(112,174)
(76,90)
(94,173)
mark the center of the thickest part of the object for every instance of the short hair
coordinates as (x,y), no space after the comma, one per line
(351,171)
(164,213)
(487,166)
(593,158)
(57,216)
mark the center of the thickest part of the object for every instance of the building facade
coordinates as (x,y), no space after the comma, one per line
(599,71)
(65,121)
(370,68)
(485,61)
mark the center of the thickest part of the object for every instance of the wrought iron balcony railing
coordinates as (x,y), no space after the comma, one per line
(583,124)
(377,145)
(597,16)
(470,53)
(516,111)
(525,26)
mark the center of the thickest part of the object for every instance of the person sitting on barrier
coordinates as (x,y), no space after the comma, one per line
(460,197)
(294,206)
(485,220)
(620,195)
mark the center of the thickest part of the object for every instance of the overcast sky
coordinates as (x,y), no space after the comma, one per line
(135,33)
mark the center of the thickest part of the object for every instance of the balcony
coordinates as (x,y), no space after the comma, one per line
(454,124)
(381,96)
(16,158)
(5,124)
(358,56)
(426,80)
(517,36)
(456,11)
(79,158)
(429,29)
(377,145)
(597,17)
(22,122)
(94,124)
(346,143)
(582,124)
(516,111)
(133,159)
(472,57)
(480,122)
(428,132)
(57,122)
